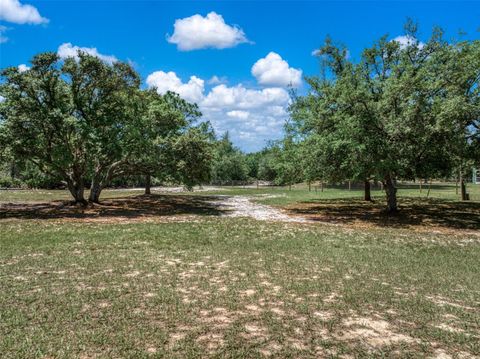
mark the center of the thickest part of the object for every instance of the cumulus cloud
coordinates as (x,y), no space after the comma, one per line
(215,80)
(68,50)
(407,40)
(169,81)
(14,11)
(272,70)
(252,116)
(242,98)
(3,38)
(238,114)
(23,68)
(198,32)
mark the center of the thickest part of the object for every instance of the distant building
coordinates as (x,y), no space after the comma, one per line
(475,176)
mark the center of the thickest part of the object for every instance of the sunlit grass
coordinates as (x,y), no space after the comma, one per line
(283,195)
(191,283)
(235,288)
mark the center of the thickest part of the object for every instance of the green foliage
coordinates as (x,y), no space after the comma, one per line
(9,182)
(229,163)
(82,120)
(403,111)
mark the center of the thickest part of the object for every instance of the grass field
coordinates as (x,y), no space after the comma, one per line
(168,276)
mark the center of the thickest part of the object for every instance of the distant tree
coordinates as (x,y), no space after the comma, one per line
(252,160)
(288,164)
(229,162)
(267,164)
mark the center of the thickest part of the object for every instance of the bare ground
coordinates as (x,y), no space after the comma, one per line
(242,206)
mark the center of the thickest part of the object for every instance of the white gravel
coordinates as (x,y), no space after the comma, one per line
(241,206)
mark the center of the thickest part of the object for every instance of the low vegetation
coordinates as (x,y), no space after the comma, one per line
(171,275)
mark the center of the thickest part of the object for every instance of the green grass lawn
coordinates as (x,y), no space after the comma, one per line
(298,193)
(235,288)
(188,283)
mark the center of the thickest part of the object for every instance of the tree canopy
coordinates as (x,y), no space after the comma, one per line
(81,119)
(401,112)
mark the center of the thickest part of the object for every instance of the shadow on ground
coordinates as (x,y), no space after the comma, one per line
(413,212)
(129,207)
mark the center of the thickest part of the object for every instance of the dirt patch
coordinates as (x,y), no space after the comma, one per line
(212,341)
(254,332)
(372,331)
(442,302)
(442,354)
(242,206)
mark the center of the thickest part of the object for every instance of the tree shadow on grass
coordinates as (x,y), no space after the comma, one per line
(134,207)
(413,212)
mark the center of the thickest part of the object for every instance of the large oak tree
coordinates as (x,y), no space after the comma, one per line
(84,120)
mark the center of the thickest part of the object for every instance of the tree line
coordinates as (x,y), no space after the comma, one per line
(402,111)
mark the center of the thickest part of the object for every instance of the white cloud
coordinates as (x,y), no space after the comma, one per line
(272,70)
(2,98)
(238,114)
(14,11)
(68,50)
(3,38)
(23,68)
(240,97)
(407,40)
(198,32)
(215,80)
(169,81)
(252,116)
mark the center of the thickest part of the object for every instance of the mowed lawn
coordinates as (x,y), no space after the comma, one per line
(192,283)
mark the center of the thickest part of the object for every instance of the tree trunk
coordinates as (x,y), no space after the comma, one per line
(309,186)
(148,183)
(77,190)
(95,190)
(349,185)
(367,195)
(463,188)
(391,192)
(429,188)
(101,179)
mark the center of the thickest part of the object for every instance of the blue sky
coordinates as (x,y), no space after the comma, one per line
(233,58)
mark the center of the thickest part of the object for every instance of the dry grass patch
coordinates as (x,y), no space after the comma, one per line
(233,288)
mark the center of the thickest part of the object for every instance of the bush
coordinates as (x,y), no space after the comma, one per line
(9,182)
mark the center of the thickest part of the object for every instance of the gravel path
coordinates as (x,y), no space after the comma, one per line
(242,206)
